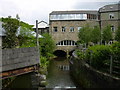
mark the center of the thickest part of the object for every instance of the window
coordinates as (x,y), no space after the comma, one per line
(66,43)
(71,29)
(111,16)
(55,29)
(113,28)
(79,29)
(63,29)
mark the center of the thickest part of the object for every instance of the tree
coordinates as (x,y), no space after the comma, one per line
(25,37)
(107,34)
(96,34)
(117,35)
(10,25)
(18,33)
(47,45)
(85,34)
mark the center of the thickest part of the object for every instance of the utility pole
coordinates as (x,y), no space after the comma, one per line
(37,40)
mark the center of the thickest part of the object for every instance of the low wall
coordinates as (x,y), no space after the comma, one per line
(19,58)
(89,77)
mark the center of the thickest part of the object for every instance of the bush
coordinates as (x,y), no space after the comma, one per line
(115,48)
(80,54)
(97,56)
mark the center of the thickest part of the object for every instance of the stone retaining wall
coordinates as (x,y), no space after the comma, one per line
(19,58)
(89,77)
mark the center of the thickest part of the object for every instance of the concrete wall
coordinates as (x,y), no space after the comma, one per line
(89,77)
(19,58)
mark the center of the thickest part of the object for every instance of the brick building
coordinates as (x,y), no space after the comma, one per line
(65,25)
(110,15)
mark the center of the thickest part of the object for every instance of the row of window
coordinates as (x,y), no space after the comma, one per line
(63,29)
(91,16)
(67,43)
(55,29)
(68,17)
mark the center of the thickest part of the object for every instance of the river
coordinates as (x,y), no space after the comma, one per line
(58,74)
(58,77)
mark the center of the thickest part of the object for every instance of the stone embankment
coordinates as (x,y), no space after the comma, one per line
(89,77)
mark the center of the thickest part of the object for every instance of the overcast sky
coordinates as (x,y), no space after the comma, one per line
(32,10)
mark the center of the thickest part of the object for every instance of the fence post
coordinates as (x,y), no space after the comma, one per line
(111,64)
(91,56)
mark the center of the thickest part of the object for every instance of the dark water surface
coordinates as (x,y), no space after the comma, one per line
(58,77)
(58,74)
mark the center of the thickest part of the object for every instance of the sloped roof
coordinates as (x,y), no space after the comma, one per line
(74,12)
(111,7)
(42,24)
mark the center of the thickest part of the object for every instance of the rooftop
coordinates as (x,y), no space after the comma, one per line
(42,24)
(75,12)
(111,7)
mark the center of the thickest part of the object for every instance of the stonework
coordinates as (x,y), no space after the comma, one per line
(19,58)
(107,15)
(67,34)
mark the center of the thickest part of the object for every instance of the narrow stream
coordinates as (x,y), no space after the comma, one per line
(58,77)
(58,74)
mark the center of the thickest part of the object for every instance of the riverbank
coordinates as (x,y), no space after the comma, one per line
(89,77)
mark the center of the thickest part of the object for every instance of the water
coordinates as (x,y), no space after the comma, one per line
(58,74)
(58,77)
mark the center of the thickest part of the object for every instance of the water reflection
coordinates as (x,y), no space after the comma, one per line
(58,75)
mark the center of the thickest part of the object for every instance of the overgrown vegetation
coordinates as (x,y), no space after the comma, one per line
(20,34)
(10,25)
(88,34)
(107,34)
(99,56)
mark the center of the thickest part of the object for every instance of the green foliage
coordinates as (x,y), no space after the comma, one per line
(26,25)
(80,54)
(13,27)
(115,49)
(44,62)
(47,45)
(117,35)
(96,34)
(84,34)
(97,55)
(26,38)
(10,25)
(107,34)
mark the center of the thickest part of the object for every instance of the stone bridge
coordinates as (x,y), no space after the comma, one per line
(18,61)
(68,46)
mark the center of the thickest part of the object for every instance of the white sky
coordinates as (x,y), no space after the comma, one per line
(32,10)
